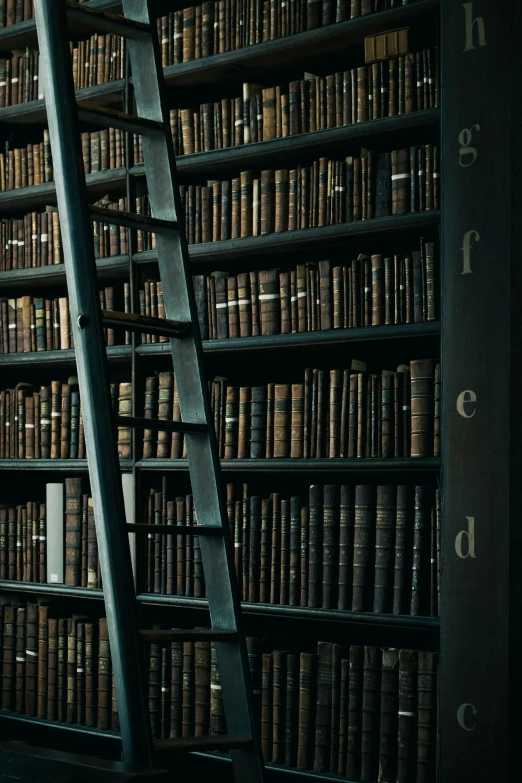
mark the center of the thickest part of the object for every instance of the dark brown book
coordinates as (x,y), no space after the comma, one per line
(407,717)
(266,706)
(61,688)
(165,402)
(315,545)
(343,717)
(370,713)
(278,706)
(355,703)
(330,545)
(364,531)
(426,716)
(52,670)
(269,302)
(9,660)
(292,709)
(384,548)
(176,675)
(104,676)
(282,420)
(335,708)
(20,660)
(306,709)
(402,565)
(422,405)
(421,552)
(323,707)
(295,552)
(125,409)
(254,548)
(243,447)
(389,717)
(73,521)
(258,412)
(90,669)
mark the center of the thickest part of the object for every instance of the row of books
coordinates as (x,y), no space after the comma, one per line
(329,192)
(22,167)
(370,291)
(36,324)
(54,541)
(225,25)
(350,710)
(331,413)
(35,239)
(47,424)
(98,60)
(362,548)
(398,86)
(14,11)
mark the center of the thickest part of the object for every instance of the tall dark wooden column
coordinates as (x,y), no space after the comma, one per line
(482,390)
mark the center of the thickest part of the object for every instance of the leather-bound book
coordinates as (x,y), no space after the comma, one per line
(165,402)
(80,673)
(315,545)
(243,447)
(3,542)
(253,549)
(269,301)
(286,304)
(71,713)
(292,709)
(278,706)
(284,552)
(187,707)
(294,552)
(20,657)
(421,551)
(282,420)
(92,547)
(217,715)
(346,544)
(231,422)
(384,548)
(370,713)
(9,662)
(323,715)
(221,286)
(125,409)
(387,413)
(61,684)
(201,688)
(389,717)
(330,545)
(232,308)
(426,716)
(364,527)
(267,191)
(73,520)
(258,422)
(403,548)
(335,708)
(176,669)
(422,404)
(104,676)
(269,113)
(266,705)
(150,412)
(177,437)
(281,200)
(407,717)
(90,669)
(304,556)
(297,423)
(437,411)
(154,687)
(377,262)
(307,666)
(403,183)
(245,538)
(275,560)
(65,419)
(335,412)
(343,717)
(226,210)
(52,670)
(265,551)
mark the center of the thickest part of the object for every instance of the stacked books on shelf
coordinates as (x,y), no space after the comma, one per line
(47,423)
(349,547)
(331,413)
(211,28)
(349,710)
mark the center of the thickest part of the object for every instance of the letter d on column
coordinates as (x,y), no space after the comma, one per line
(465,541)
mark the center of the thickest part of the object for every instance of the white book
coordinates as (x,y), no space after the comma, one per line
(55,519)
(126,482)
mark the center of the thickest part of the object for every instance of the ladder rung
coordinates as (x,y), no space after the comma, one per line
(188,635)
(116,217)
(112,118)
(105,21)
(133,322)
(188,744)
(160,425)
(175,530)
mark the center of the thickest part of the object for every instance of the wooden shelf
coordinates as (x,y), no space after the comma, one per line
(114,267)
(375,465)
(56,465)
(50,589)
(302,240)
(33,112)
(98,184)
(54,724)
(251,63)
(65,358)
(291,147)
(18,36)
(303,339)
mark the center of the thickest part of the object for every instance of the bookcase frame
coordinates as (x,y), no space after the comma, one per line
(457,631)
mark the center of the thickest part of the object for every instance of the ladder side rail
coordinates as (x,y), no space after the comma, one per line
(93,378)
(175,273)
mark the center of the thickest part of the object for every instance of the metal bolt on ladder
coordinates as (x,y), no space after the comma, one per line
(151,122)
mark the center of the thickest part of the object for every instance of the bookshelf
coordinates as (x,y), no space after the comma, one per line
(390,344)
